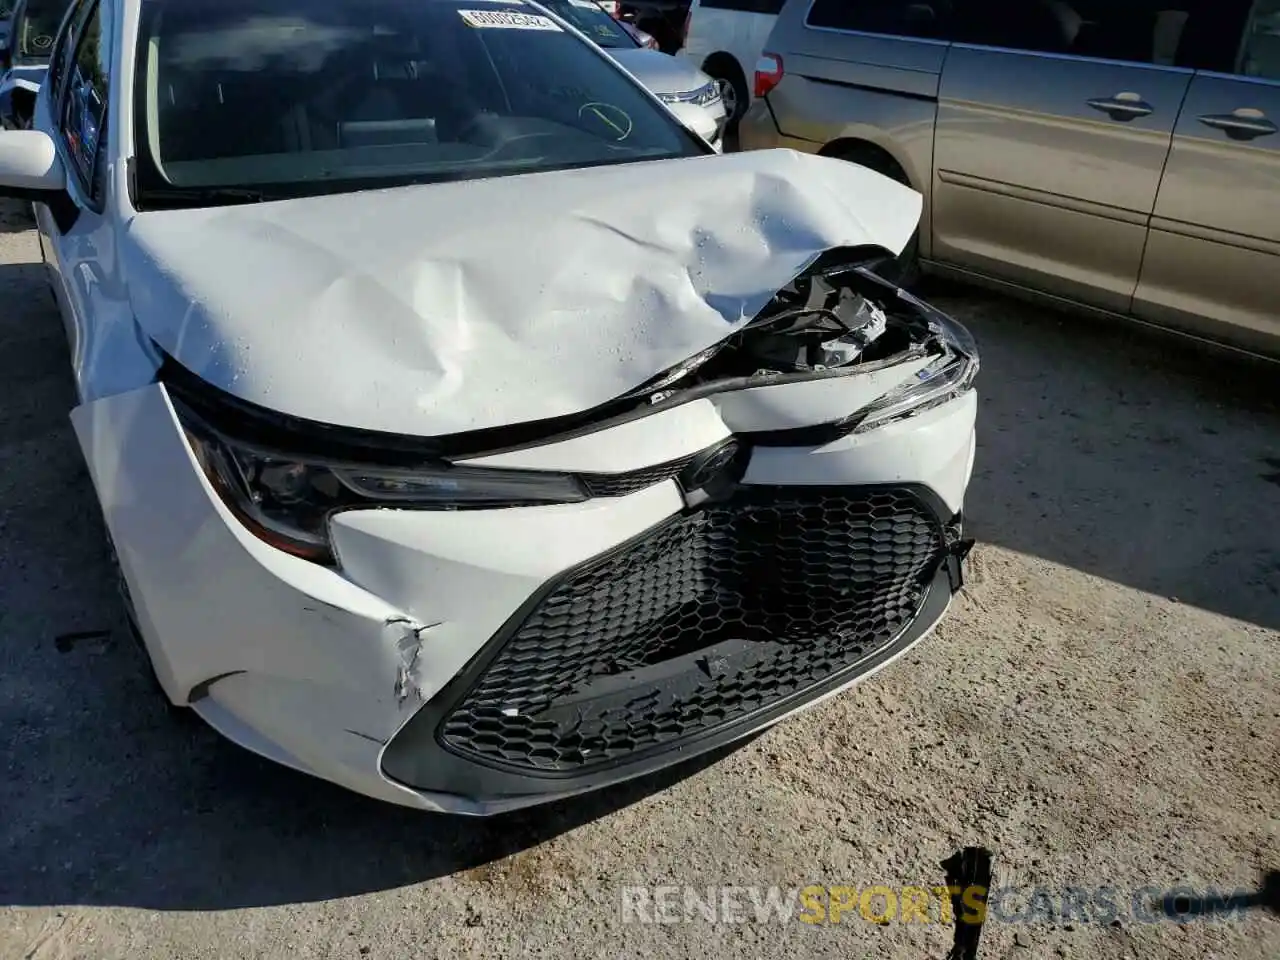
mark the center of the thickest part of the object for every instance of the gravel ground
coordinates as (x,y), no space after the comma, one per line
(1101,708)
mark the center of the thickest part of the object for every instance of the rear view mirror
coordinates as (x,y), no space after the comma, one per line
(29,166)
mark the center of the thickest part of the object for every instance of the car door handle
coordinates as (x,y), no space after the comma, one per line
(1123,106)
(1244,124)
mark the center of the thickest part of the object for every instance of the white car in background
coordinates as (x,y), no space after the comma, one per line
(32,25)
(724,39)
(690,94)
(468,433)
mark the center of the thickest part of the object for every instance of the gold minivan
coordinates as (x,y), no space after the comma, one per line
(1120,156)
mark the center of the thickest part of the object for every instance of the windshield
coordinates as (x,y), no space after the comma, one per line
(589,17)
(35,31)
(299,97)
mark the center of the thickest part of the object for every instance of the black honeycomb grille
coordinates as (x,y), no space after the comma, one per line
(620,484)
(714,615)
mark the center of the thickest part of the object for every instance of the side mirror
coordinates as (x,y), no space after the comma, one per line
(29,166)
(31,170)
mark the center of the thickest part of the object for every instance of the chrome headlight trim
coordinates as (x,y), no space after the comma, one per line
(948,376)
(703,96)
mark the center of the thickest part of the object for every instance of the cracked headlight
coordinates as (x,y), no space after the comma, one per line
(949,375)
(287,500)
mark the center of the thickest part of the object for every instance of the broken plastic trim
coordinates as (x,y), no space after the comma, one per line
(828,321)
(837,318)
(950,375)
(890,327)
(287,501)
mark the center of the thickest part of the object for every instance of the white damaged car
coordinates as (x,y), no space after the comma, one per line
(468,433)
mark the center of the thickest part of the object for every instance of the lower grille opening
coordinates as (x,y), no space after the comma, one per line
(716,614)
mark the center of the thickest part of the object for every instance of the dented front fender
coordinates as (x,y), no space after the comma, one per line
(214,603)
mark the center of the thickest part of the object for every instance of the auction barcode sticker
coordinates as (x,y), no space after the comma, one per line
(507,20)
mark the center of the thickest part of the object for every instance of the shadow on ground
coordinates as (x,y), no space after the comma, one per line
(15,218)
(1125,457)
(1128,454)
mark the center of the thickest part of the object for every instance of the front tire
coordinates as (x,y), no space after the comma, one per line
(733,89)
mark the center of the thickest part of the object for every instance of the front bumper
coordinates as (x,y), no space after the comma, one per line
(717,622)
(478,661)
(707,121)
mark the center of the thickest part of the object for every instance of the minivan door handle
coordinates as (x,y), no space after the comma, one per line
(1243,124)
(1123,106)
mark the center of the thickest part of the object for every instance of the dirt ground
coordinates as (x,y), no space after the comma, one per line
(1100,709)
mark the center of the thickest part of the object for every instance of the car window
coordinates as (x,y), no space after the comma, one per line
(35,31)
(316,96)
(84,106)
(893,17)
(771,7)
(64,47)
(1260,54)
(1198,34)
(589,17)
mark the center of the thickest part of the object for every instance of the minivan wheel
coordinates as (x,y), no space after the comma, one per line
(904,270)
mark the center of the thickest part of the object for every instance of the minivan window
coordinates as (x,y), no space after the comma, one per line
(903,18)
(1196,34)
(298,97)
(1261,52)
(769,7)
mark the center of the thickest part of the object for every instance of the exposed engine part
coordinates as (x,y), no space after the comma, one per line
(831,328)
(830,317)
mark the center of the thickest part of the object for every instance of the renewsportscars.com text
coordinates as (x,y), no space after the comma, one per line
(882,904)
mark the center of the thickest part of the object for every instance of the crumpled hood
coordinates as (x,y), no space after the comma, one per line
(452,307)
(659,72)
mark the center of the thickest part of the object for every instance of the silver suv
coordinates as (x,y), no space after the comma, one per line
(1121,156)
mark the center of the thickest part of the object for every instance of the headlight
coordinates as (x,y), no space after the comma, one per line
(703,96)
(945,378)
(287,500)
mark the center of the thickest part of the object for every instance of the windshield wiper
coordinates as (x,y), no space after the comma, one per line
(203,196)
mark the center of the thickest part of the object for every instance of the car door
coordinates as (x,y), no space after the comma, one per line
(1054,121)
(76,237)
(1214,249)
